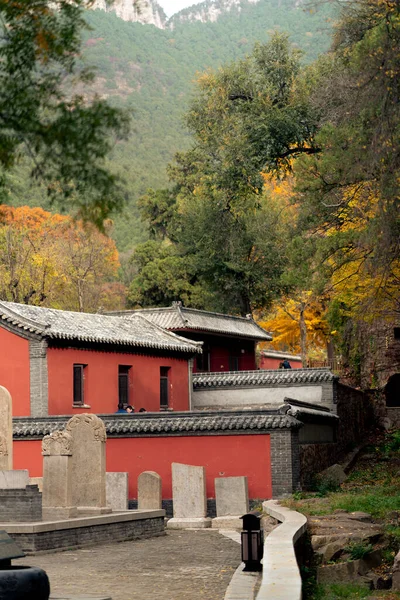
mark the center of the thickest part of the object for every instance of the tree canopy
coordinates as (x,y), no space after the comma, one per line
(42,116)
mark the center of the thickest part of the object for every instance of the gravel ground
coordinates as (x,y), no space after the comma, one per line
(181,565)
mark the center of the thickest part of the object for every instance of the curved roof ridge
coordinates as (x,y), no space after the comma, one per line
(22,321)
(166,332)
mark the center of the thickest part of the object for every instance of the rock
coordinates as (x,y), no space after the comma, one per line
(386,423)
(396,573)
(331,528)
(332,551)
(320,541)
(346,572)
(360,516)
(334,475)
(372,560)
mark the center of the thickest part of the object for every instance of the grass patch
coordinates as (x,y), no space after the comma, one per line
(340,590)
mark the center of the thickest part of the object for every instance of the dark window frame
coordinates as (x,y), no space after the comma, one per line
(123,384)
(78,384)
(164,387)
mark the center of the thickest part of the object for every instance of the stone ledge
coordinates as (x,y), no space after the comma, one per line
(281,576)
(76,523)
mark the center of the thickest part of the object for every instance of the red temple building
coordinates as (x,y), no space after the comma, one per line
(56,362)
(229,343)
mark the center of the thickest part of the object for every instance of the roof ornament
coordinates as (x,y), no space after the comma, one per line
(178,305)
(249,316)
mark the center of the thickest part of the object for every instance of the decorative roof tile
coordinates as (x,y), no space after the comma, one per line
(134,331)
(149,424)
(179,318)
(262,378)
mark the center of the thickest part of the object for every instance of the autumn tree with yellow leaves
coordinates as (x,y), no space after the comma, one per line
(51,260)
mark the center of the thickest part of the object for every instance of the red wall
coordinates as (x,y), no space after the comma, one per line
(101,380)
(273,363)
(223,456)
(14,370)
(220,348)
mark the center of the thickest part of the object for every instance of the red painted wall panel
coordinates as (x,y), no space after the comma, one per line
(15,372)
(101,380)
(273,363)
(223,456)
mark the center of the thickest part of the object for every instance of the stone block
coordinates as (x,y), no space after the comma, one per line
(189,523)
(227,522)
(232,497)
(189,491)
(149,490)
(6,440)
(117,491)
(14,480)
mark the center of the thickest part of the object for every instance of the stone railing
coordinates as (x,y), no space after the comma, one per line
(281,576)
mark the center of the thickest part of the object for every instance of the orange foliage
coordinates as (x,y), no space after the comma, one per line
(51,260)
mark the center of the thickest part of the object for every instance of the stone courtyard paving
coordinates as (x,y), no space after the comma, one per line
(181,565)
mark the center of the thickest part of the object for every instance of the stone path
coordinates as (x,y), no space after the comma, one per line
(181,565)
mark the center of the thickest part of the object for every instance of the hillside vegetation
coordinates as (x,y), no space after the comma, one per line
(151,71)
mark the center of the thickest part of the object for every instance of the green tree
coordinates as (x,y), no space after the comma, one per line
(41,116)
(350,193)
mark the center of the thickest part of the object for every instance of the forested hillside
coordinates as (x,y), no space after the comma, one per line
(151,71)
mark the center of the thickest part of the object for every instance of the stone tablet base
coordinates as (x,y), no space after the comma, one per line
(195,523)
(44,536)
(55,513)
(94,510)
(227,523)
(20,505)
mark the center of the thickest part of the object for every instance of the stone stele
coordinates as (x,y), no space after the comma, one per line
(232,501)
(57,477)
(117,491)
(189,497)
(149,491)
(88,463)
(6,455)
(14,480)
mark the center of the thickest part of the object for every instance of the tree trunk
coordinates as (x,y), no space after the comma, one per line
(303,336)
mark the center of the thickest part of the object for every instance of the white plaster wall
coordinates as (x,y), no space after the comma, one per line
(257,395)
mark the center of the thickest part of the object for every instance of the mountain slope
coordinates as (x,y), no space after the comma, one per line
(151,71)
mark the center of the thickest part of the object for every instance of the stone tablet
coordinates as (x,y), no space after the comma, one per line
(189,497)
(149,491)
(6,439)
(88,463)
(231,496)
(57,476)
(117,491)
(14,480)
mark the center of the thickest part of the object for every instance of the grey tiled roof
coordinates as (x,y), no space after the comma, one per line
(179,318)
(262,378)
(155,424)
(131,331)
(306,411)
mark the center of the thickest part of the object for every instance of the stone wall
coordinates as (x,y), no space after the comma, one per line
(373,352)
(356,418)
(58,539)
(269,388)
(20,505)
